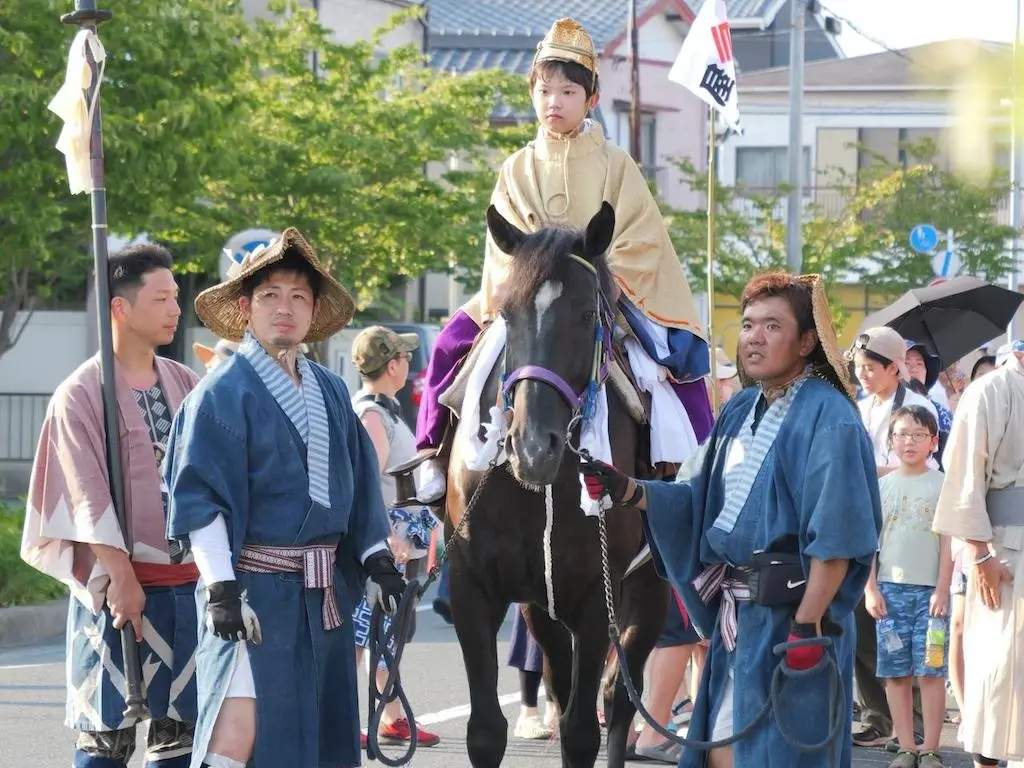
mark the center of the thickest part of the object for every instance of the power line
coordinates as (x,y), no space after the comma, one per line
(866,36)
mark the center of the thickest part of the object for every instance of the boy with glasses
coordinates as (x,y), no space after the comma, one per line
(908,590)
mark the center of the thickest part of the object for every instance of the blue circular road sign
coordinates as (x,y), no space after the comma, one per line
(924,238)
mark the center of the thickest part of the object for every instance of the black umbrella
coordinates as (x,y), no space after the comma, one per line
(951,319)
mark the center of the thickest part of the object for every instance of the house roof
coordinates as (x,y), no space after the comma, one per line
(907,68)
(531,18)
(743,14)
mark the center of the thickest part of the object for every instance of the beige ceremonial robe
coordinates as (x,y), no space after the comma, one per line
(564,182)
(986,452)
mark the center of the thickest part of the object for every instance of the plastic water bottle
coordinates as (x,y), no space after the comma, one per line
(935,643)
(887,631)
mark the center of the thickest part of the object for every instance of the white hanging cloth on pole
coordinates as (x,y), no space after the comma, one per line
(705,64)
(70,106)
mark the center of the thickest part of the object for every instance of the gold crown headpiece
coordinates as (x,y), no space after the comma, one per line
(568,41)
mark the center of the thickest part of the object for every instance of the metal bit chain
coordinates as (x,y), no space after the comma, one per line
(609,600)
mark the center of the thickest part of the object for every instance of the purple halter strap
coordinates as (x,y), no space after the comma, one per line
(537,373)
(577,401)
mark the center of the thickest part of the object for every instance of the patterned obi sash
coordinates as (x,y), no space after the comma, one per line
(731,583)
(315,563)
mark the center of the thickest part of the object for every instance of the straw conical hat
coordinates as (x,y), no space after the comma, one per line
(218,306)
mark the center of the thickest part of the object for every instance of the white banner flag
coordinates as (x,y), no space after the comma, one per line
(705,64)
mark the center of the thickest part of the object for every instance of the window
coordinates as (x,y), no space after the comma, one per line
(767,167)
(648,135)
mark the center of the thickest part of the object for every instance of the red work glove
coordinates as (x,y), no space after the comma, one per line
(803,657)
(604,480)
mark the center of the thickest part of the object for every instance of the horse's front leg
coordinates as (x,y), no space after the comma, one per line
(579,729)
(476,621)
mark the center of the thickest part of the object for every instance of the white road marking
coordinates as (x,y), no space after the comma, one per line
(454,713)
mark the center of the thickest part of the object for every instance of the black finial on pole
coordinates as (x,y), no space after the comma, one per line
(87,16)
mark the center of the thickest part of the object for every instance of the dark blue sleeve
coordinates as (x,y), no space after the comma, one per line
(206,470)
(840,509)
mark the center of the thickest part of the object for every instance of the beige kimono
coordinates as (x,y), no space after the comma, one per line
(564,181)
(986,452)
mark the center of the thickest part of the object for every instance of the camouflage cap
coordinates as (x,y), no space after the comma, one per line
(376,346)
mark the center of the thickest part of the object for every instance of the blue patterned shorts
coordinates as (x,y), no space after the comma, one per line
(414,525)
(907,606)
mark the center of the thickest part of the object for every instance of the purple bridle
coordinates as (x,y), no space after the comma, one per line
(581,403)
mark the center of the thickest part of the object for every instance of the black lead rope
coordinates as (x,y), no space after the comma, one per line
(389,646)
(837,700)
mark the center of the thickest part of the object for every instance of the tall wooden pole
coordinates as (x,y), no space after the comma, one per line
(635,146)
(712,202)
(88,17)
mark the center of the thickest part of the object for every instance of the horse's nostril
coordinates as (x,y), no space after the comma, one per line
(553,440)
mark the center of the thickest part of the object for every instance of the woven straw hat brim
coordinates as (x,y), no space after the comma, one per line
(218,308)
(827,359)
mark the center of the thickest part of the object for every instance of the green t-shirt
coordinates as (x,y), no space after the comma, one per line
(908,549)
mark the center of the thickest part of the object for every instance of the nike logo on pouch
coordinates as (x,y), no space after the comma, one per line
(795,584)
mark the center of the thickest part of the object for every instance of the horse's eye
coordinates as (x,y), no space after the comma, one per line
(589,315)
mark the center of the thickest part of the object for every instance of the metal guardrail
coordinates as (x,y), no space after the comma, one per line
(21,418)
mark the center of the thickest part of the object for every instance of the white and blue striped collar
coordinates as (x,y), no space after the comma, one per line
(303,405)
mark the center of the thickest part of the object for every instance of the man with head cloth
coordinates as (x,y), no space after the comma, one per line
(768,534)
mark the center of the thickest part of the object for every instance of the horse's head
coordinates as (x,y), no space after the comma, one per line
(554,306)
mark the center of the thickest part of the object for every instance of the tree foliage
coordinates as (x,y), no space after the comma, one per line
(213,124)
(864,239)
(358,155)
(167,103)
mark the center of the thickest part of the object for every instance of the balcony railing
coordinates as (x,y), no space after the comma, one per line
(21,417)
(829,202)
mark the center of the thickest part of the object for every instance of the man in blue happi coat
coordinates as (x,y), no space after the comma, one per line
(789,471)
(274,487)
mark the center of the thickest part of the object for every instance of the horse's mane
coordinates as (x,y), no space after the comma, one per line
(535,262)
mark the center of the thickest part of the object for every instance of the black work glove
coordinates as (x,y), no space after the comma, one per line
(385,585)
(604,480)
(228,615)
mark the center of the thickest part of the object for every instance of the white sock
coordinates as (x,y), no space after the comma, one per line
(219,761)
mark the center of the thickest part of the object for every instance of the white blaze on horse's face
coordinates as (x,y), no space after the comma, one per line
(546,296)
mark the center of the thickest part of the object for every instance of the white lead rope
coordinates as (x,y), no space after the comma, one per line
(549,524)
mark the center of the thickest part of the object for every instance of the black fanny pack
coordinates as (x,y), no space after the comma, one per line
(776,579)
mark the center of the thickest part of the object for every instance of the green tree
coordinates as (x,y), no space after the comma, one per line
(891,200)
(865,239)
(167,106)
(359,154)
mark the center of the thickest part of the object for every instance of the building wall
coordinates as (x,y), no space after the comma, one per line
(680,127)
(353,20)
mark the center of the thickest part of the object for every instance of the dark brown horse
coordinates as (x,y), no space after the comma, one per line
(556,308)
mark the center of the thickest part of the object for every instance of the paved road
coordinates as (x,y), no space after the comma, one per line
(32,707)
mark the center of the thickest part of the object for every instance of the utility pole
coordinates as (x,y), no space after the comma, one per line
(1016,174)
(635,147)
(794,209)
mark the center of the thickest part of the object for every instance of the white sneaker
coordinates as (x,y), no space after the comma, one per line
(431,483)
(532,728)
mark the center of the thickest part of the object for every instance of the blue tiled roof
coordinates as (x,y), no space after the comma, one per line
(604,19)
(741,10)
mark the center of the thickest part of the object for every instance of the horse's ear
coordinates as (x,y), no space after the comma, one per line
(599,232)
(506,236)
